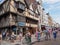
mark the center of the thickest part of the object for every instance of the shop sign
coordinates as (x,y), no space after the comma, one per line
(21,23)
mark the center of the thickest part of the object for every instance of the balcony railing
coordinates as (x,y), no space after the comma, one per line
(27,14)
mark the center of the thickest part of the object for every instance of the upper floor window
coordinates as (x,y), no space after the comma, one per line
(20,6)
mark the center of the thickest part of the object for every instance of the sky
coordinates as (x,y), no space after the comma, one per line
(1,1)
(53,7)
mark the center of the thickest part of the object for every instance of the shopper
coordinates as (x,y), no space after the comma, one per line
(54,34)
(12,37)
(46,33)
(20,36)
(28,38)
(7,36)
(0,37)
(3,35)
(49,33)
(38,35)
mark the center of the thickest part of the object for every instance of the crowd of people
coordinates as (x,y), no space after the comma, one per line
(48,34)
(38,34)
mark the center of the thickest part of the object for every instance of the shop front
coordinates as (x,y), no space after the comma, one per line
(44,27)
(31,27)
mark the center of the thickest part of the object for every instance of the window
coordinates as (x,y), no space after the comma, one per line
(20,5)
(21,18)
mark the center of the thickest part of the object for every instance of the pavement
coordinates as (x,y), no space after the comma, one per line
(34,41)
(50,42)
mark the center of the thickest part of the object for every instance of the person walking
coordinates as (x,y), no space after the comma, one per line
(0,38)
(3,35)
(20,37)
(28,38)
(54,34)
(49,33)
(38,35)
(7,36)
(12,37)
(46,34)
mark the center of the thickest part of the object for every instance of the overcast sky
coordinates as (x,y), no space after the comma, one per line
(53,7)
